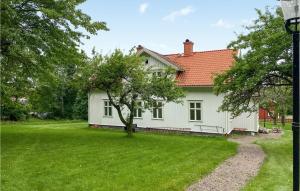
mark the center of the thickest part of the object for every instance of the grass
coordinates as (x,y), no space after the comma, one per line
(270,125)
(276,172)
(67,155)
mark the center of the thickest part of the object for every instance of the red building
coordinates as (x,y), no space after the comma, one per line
(263,114)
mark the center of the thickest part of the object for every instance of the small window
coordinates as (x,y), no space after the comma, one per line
(147,61)
(157,110)
(195,110)
(137,113)
(107,108)
(157,74)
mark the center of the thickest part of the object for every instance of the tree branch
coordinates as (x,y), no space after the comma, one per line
(117,108)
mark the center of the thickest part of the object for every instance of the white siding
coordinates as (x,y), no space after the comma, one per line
(246,121)
(155,64)
(94,108)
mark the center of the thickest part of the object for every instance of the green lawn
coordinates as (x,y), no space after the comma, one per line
(67,155)
(276,172)
(288,126)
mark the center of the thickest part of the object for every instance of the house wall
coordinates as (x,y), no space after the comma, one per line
(176,116)
(246,121)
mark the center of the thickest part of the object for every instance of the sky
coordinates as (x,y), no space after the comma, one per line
(163,25)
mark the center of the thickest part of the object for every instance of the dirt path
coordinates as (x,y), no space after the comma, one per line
(235,172)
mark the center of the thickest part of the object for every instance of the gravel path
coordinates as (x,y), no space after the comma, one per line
(235,172)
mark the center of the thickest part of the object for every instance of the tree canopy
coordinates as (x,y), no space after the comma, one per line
(126,81)
(38,38)
(266,62)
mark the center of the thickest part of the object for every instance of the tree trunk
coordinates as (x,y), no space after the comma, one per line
(275,121)
(130,119)
(275,118)
(283,120)
(264,118)
(62,107)
(129,130)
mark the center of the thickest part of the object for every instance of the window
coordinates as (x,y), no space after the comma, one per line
(157,110)
(157,74)
(195,111)
(107,109)
(137,113)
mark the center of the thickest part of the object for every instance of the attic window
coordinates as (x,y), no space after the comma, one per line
(157,74)
(147,61)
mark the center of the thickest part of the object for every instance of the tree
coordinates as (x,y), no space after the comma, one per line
(266,63)
(80,107)
(126,80)
(36,37)
(277,101)
(56,98)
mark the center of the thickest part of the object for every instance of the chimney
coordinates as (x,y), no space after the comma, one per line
(140,47)
(188,47)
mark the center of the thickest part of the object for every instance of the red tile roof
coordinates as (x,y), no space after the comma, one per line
(200,68)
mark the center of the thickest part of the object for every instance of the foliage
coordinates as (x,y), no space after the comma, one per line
(277,100)
(80,107)
(38,38)
(266,63)
(56,98)
(126,80)
(85,71)
(16,111)
(59,155)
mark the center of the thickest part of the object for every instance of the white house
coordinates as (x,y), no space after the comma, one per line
(199,110)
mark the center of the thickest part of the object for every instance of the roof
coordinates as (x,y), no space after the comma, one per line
(200,68)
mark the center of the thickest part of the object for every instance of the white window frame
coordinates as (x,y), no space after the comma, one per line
(107,106)
(195,110)
(157,108)
(157,73)
(139,107)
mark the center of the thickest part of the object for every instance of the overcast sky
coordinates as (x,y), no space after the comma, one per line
(163,25)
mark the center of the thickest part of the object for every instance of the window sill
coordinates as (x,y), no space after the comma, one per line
(161,119)
(137,118)
(194,121)
(108,116)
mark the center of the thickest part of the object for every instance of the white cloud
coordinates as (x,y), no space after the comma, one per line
(179,13)
(143,7)
(221,23)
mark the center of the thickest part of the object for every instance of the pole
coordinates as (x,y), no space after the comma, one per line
(296,112)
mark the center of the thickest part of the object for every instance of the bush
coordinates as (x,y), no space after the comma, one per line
(14,112)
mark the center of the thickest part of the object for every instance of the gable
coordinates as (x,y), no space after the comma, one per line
(153,63)
(158,61)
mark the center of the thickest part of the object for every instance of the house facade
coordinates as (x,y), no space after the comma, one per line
(198,111)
